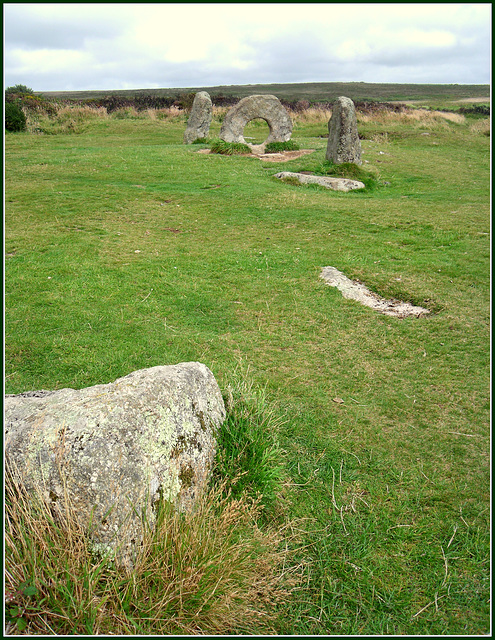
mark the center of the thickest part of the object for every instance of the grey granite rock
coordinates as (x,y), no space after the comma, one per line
(198,125)
(268,108)
(116,449)
(343,139)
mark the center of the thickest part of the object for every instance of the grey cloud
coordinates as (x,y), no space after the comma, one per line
(32,30)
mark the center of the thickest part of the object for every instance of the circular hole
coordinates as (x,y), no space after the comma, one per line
(256,131)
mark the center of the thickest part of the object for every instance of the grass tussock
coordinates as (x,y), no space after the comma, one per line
(277,147)
(249,457)
(229,148)
(208,572)
(348,170)
(481,127)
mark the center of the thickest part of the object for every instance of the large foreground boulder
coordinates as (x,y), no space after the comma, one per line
(343,139)
(198,125)
(268,108)
(114,450)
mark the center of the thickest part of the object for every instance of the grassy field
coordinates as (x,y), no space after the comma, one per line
(126,249)
(317,91)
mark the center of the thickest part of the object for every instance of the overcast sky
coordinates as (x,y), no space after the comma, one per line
(83,46)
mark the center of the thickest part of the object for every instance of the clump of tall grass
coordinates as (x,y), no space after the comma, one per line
(210,571)
(67,119)
(276,147)
(312,115)
(249,457)
(229,148)
(348,170)
(481,126)
(125,113)
(421,117)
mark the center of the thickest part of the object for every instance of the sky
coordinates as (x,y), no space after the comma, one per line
(100,46)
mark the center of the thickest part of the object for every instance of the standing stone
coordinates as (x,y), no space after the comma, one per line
(114,450)
(268,108)
(198,125)
(343,140)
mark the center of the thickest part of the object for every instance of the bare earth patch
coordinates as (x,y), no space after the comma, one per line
(283,156)
(357,291)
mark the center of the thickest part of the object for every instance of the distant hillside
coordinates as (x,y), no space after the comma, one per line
(314,91)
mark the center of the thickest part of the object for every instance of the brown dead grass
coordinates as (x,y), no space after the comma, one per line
(212,571)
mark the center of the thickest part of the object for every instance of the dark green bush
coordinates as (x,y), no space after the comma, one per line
(15,120)
(477,109)
(18,88)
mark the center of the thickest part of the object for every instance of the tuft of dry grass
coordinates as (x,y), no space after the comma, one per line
(311,116)
(212,571)
(422,117)
(481,126)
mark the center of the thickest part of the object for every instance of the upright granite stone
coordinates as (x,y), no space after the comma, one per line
(114,450)
(343,140)
(268,108)
(198,125)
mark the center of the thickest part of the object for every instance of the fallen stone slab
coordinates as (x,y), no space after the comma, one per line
(113,451)
(357,291)
(337,184)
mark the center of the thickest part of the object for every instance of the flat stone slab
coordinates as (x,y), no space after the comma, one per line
(336,184)
(357,291)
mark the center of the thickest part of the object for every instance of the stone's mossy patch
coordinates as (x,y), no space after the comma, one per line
(186,476)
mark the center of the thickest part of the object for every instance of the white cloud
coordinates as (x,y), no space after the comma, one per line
(129,45)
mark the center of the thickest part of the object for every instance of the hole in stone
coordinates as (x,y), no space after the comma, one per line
(256,131)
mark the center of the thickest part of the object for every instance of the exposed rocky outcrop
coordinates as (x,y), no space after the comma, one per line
(114,450)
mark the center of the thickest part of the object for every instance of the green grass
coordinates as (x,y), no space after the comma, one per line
(126,249)
(276,147)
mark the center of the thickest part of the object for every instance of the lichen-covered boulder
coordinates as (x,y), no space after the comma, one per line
(114,450)
(268,108)
(343,139)
(198,125)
